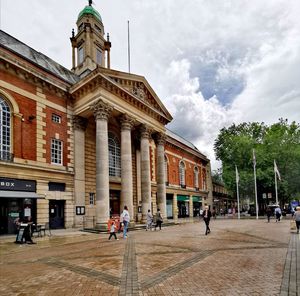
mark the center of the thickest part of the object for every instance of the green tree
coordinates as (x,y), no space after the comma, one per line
(279,141)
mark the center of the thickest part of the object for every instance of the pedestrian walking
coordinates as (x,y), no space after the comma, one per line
(206,218)
(200,213)
(149,219)
(158,219)
(277,214)
(125,219)
(112,231)
(269,213)
(297,218)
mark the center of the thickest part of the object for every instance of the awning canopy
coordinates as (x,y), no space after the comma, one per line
(187,198)
(183,197)
(19,194)
(197,198)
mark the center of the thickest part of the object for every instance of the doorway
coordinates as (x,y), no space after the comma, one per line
(114,203)
(56,214)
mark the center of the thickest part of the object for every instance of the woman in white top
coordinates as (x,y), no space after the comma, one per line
(125,218)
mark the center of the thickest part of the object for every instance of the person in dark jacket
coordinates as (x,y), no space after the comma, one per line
(158,219)
(206,217)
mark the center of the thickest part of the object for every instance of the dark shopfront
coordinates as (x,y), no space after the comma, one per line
(17,201)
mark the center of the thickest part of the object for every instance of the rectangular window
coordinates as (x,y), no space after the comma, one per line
(56,118)
(53,186)
(92,198)
(99,56)
(56,151)
(80,55)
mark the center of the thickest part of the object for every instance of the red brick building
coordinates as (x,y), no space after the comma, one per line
(77,145)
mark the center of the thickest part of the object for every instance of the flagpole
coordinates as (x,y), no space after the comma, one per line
(255,185)
(237,192)
(128,36)
(276,193)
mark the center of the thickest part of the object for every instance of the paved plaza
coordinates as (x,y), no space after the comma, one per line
(246,257)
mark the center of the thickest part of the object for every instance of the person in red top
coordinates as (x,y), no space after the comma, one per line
(206,217)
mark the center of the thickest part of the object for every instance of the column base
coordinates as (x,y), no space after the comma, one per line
(101,226)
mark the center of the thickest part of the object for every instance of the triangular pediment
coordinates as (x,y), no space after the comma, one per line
(139,88)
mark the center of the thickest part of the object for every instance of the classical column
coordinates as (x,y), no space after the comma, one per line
(79,126)
(101,112)
(161,178)
(175,208)
(191,207)
(145,171)
(126,163)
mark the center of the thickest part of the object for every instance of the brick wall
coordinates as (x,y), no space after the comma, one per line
(175,155)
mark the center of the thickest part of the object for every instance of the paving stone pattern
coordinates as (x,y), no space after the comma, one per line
(246,257)
(291,276)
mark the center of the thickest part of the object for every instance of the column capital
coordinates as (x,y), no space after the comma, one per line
(145,131)
(101,109)
(160,139)
(79,123)
(127,122)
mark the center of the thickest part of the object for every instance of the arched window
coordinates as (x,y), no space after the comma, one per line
(196,177)
(166,170)
(182,174)
(5,130)
(114,156)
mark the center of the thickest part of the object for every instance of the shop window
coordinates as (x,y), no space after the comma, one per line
(5,130)
(114,149)
(56,151)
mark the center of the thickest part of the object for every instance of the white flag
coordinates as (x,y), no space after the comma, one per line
(254,158)
(237,177)
(276,170)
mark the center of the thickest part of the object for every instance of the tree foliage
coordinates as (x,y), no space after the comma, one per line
(279,141)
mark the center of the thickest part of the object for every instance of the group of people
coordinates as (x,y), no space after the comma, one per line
(151,221)
(157,220)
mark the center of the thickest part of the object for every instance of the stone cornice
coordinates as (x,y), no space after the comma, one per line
(181,147)
(101,110)
(33,74)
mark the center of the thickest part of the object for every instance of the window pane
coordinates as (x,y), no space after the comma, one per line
(56,151)
(114,156)
(4,130)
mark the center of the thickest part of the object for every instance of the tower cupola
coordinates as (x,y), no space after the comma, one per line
(88,44)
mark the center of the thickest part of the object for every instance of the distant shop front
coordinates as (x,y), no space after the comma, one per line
(185,209)
(17,201)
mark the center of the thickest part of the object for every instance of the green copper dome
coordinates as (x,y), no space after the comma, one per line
(90,10)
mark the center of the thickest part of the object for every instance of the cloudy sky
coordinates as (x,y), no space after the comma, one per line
(212,62)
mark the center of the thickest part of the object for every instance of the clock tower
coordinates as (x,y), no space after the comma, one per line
(89,45)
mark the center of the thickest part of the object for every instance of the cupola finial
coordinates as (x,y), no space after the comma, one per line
(90,2)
